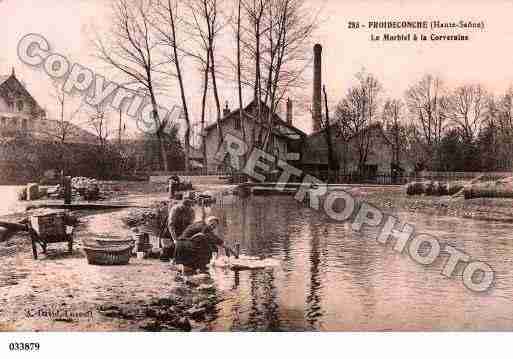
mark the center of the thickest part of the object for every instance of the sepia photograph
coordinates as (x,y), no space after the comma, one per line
(229,166)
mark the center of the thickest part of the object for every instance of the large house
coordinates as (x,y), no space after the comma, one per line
(21,114)
(18,109)
(287,138)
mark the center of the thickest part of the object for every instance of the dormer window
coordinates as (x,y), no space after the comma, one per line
(20,106)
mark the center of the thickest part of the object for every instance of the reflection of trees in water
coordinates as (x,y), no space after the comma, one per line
(264,311)
(314,310)
(363,258)
(236,308)
(258,224)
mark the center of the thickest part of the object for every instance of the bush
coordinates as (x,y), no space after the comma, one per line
(414,188)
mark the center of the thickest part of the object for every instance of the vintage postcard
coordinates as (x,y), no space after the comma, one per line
(255,166)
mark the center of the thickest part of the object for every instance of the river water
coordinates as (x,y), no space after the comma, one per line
(8,200)
(331,278)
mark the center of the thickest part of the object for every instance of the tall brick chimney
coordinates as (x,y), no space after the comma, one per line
(289,112)
(317,84)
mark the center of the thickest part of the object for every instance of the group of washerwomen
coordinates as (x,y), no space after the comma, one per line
(192,244)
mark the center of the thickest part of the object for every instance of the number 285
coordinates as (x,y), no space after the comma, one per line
(353,25)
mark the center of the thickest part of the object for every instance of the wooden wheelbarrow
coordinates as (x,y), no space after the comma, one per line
(49,228)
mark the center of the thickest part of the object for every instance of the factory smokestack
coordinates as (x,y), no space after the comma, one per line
(317,84)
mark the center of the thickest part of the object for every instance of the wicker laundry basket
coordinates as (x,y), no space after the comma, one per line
(108,255)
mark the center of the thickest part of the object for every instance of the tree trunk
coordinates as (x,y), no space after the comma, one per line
(203,105)
(239,80)
(331,155)
(216,97)
(182,91)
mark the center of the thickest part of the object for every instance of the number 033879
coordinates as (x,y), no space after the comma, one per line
(24,347)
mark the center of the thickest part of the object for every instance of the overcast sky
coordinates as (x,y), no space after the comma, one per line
(487,58)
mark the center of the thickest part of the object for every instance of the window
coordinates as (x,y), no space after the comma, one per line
(10,105)
(20,104)
(24,124)
(237,124)
(3,121)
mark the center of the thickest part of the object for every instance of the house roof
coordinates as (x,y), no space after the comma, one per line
(3,78)
(21,87)
(277,119)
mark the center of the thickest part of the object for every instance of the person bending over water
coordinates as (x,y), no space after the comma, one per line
(181,216)
(196,245)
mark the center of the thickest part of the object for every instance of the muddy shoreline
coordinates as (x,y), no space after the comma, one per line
(62,292)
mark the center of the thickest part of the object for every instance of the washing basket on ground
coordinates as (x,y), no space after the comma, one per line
(108,255)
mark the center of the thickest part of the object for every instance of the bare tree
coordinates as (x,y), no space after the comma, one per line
(392,123)
(239,70)
(254,10)
(500,121)
(99,123)
(332,160)
(63,126)
(206,23)
(276,40)
(61,129)
(428,106)
(468,110)
(357,112)
(132,48)
(167,28)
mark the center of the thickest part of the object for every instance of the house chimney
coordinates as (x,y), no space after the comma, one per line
(289,112)
(13,72)
(226,110)
(317,83)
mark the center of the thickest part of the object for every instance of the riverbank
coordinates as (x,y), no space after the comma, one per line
(395,200)
(62,292)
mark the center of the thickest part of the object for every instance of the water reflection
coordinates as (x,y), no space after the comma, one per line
(313,300)
(9,200)
(332,278)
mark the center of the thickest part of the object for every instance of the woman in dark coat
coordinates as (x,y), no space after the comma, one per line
(197,243)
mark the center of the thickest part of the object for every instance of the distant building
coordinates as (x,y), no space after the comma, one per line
(378,159)
(21,114)
(287,138)
(346,153)
(18,109)
(32,145)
